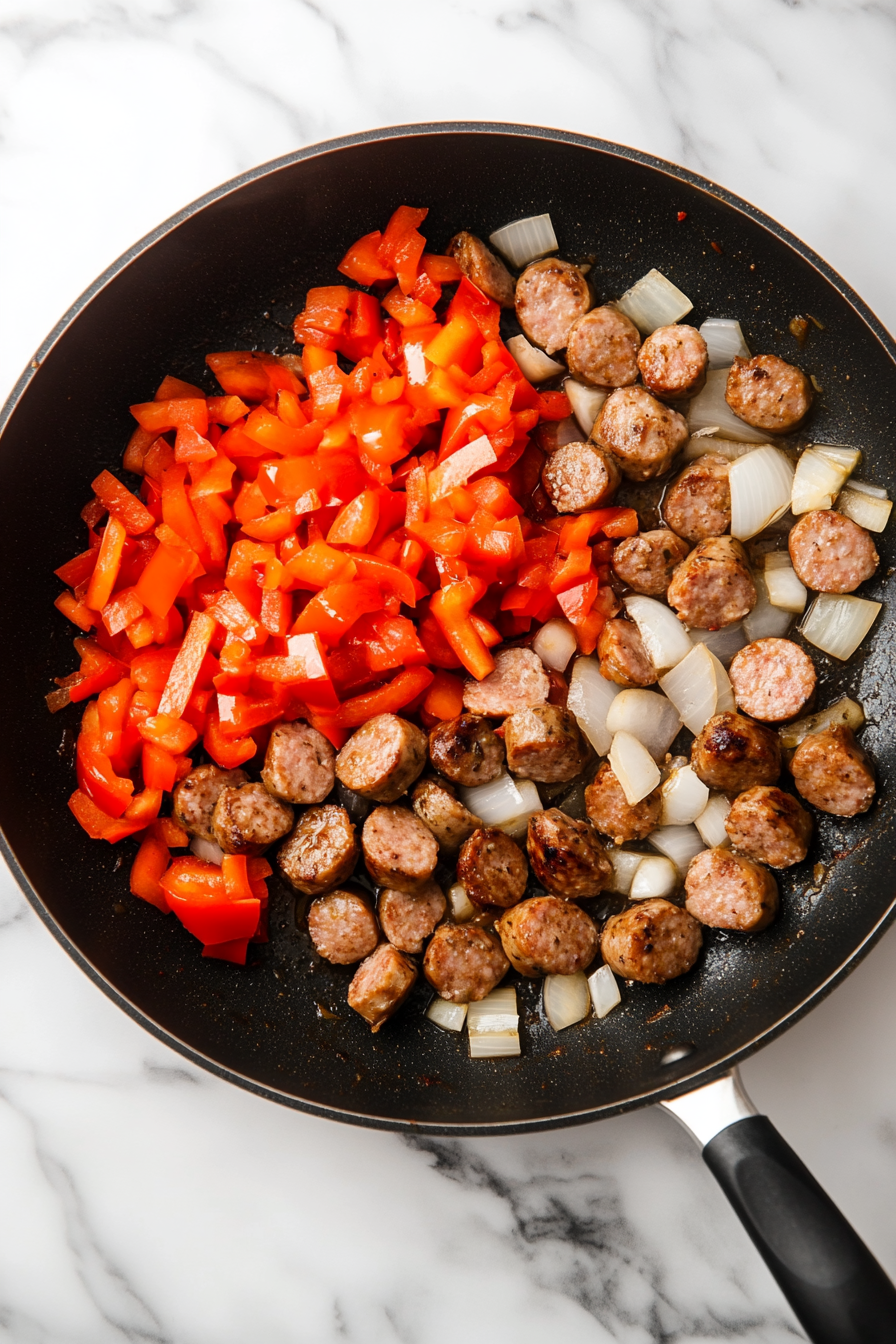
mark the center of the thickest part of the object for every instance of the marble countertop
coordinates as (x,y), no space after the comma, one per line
(143,1200)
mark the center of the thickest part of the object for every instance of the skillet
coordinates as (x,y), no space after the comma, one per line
(230,272)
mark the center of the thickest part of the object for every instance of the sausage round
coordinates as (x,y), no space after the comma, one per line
(833,773)
(548,936)
(198,792)
(544,744)
(299,764)
(343,927)
(732,753)
(434,803)
(466,750)
(698,504)
(646,562)
(673,362)
(321,852)
(399,850)
(408,918)
(492,868)
(610,812)
(769,825)
(383,758)
(768,393)
(830,552)
(602,348)
(463,963)
(623,657)
(713,586)
(580,476)
(772,679)
(652,942)
(641,433)
(567,856)
(381,984)
(550,296)
(480,265)
(730,891)
(519,681)
(247,819)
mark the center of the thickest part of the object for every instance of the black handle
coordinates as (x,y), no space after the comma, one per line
(835,1286)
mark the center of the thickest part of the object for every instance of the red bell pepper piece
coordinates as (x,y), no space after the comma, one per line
(401,246)
(185,668)
(147,869)
(226,410)
(401,691)
(304,666)
(355,523)
(102,580)
(77,612)
(160,416)
(362,264)
(97,778)
(162,579)
(227,752)
(97,823)
(445,697)
(451,608)
(323,317)
(196,894)
(251,374)
(169,732)
(442,270)
(159,767)
(121,611)
(336,608)
(123,505)
(235,872)
(406,311)
(320,564)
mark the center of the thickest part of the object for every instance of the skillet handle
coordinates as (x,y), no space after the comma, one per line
(837,1290)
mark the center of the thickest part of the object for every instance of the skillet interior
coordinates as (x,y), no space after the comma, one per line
(232,273)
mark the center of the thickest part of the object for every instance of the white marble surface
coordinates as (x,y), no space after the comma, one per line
(143,1200)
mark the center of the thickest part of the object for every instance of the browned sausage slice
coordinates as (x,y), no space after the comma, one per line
(299,764)
(730,891)
(321,852)
(463,963)
(492,868)
(673,362)
(602,348)
(342,926)
(383,758)
(769,825)
(772,679)
(768,393)
(698,504)
(653,942)
(833,773)
(646,562)
(480,265)
(381,984)
(831,553)
(640,432)
(434,802)
(518,682)
(567,856)
(732,753)
(399,850)
(544,744)
(196,795)
(713,587)
(550,296)
(467,750)
(613,815)
(623,657)
(247,819)
(580,476)
(408,918)
(548,936)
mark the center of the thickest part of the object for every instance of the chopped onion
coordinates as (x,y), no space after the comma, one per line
(724,643)
(846,458)
(493,1025)
(846,712)
(590,697)
(460,466)
(585,402)
(625,865)
(678,843)
(711,821)
(656,876)
(506,803)
(761,483)
(869,511)
(817,481)
(634,767)
(534,363)
(724,690)
(604,988)
(647,716)
(207,850)
(555,643)
(865,488)
(662,633)
(694,687)
(566,999)
(697,446)
(724,341)
(653,301)
(459,903)
(709,408)
(525,239)
(837,623)
(415,363)
(684,798)
(784,589)
(451,1016)
(765,621)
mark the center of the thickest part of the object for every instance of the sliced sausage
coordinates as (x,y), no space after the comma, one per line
(769,825)
(646,562)
(580,476)
(299,764)
(567,856)
(381,984)
(602,348)
(623,657)
(467,750)
(768,393)
(833,773)
(548,936)
(698,504)
(198,792)
(673,362)
(544,744)
(519,681)
(550,296)
(732,753)
(610,812)
(640,432)
(321,852)
(383,758)
(342,926)
(713,586)
(492,868)
(831,553)
(652,942)
(409,917)
(463,963)
(246,820)
(399,850)
(772,679)
(480,265)
(730,891)
(434,802)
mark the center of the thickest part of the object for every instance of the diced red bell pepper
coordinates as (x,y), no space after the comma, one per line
(227,752)
(98,824)
(445,697)
(304,667)
(356,521)
(185,668)
(123,505)
(362,264)
(442,270)
(196,894)
(253,375)
(102,580)
(401,246)
(575,603)
(168,732)
(159,767)
(98,780)
(323,317)
(389,699)
(147,870)
(77,612)
(406,311)
(335,609)
(161,416)
(235,872)
(451,608)
(162,579)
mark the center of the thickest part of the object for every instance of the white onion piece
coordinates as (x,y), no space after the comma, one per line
(459,903)
(678,843)
(566,999)
(724,690)
(525,239)
(555,643)
(493,1025)
(709,409)
(585,402)
(784,589)
(724,341)
(837,623)
(866,488)
(817,481)
(765,621)
(653,301)
(451,1016)
(724,643)
(625,865)
(534,363)
(208,850)
(506,803)
(656,876)
(692,687)
(647,716)
(662,633)
(846,458)
(684,798)
(634,767)
(590,697)
(846,712)
(604,988)
(761,485)
(697,446)
(869,511)
(711,822)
